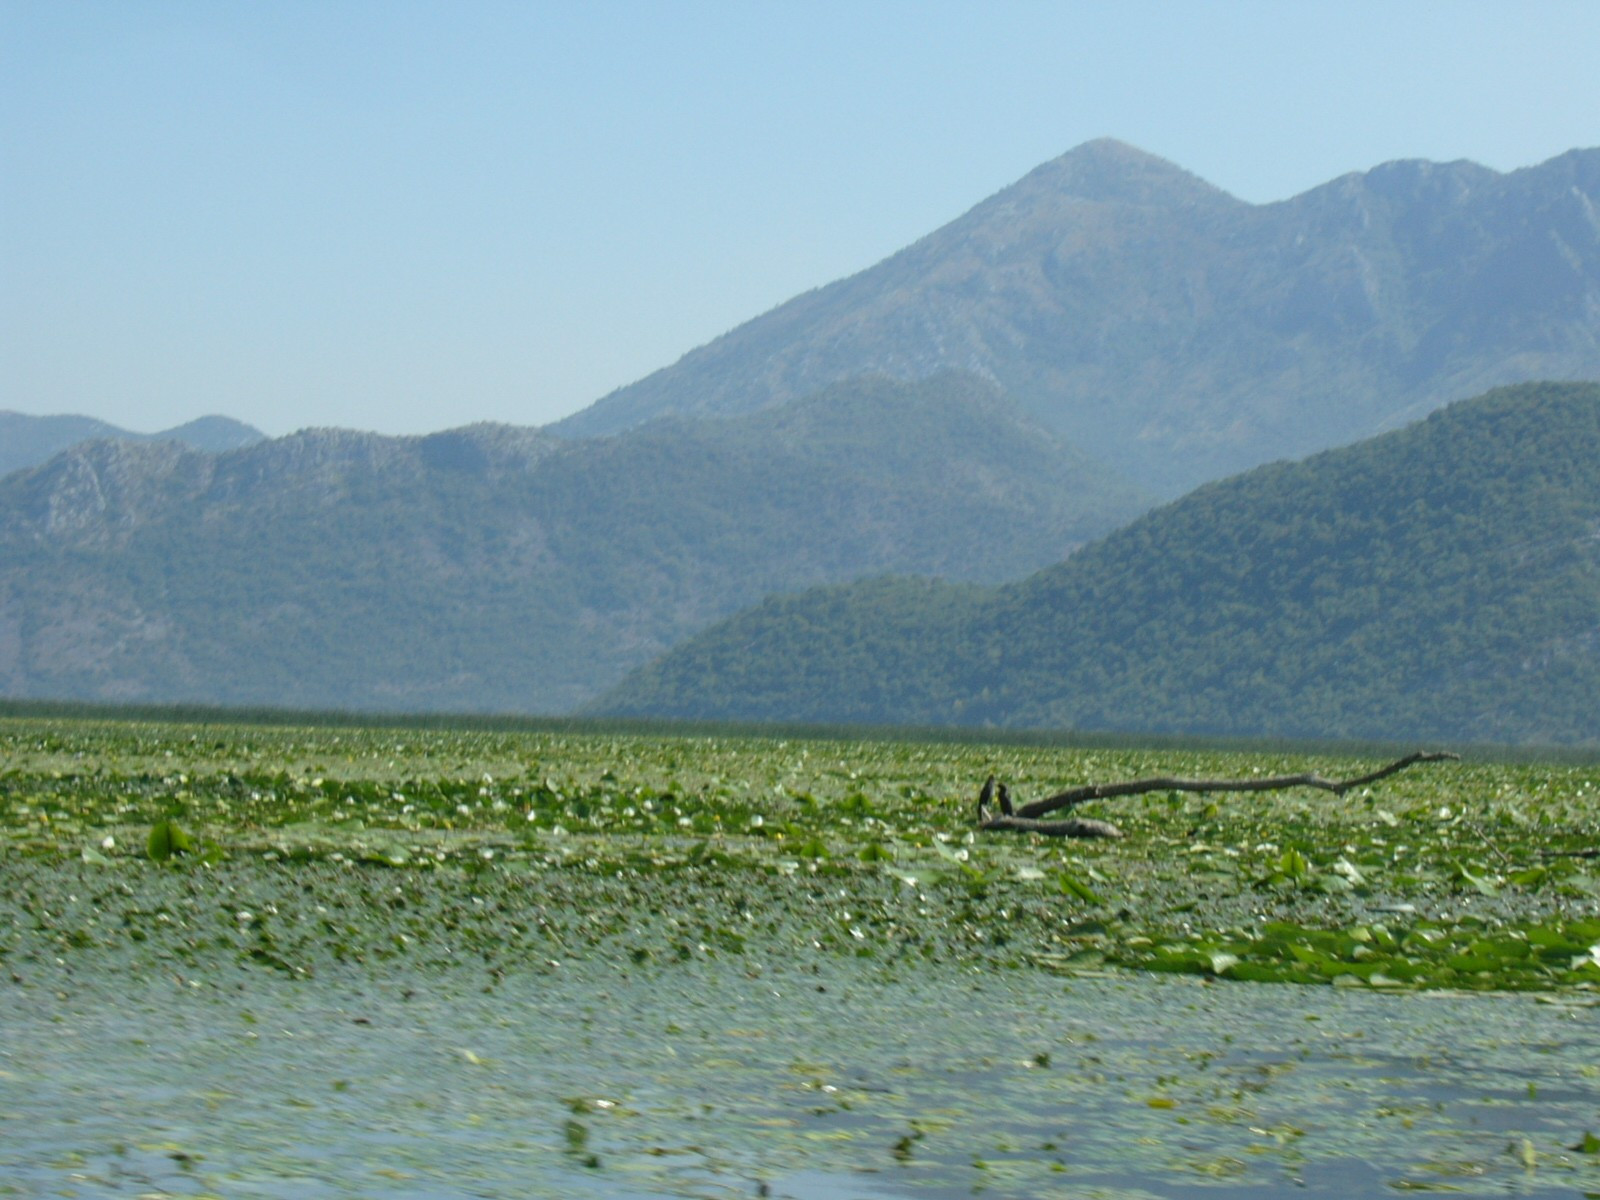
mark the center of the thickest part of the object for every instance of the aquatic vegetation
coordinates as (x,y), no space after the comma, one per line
(166,839)
(669,965)
(522,848)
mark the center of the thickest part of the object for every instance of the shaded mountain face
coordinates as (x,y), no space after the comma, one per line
(1438,582)
(501,569)
(1179,334)
(27,441)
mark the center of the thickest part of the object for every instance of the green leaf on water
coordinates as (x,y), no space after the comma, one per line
(1071,885)
(167,839)
(1293,864)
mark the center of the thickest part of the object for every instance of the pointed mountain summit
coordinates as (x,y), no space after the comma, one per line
(1113,172)
(1179,334)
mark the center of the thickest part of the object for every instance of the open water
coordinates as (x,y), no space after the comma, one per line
(728,1078)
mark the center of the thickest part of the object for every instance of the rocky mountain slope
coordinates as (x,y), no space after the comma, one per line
(501,569)
(1179,334)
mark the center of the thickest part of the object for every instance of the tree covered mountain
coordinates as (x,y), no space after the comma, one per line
(1179,334)
(1440,582)
(497,568)
(27,441)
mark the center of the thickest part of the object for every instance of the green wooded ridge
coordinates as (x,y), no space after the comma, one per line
(1437,582)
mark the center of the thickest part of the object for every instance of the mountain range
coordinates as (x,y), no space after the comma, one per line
(1106,333)
(1438,582)
(496,568)
(27,441)
(1179,334)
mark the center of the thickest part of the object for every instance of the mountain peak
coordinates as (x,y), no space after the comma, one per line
(1182,333)
(30,441)
(213,434)
(1109,170)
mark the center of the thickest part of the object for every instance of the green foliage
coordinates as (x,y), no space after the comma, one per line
(1437,583)
(1518,956)
(1072,886)
(867,653)
(166,839)
(521,847)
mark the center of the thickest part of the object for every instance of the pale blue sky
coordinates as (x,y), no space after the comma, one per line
(407,216)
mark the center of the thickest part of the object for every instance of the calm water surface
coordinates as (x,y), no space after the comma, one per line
(727,1078)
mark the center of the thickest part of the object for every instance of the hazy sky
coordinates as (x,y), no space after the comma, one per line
(407,216)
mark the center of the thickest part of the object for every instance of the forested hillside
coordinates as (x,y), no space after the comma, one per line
(496,568)
(1438,582)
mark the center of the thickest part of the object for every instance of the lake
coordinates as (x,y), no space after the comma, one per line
(831,1080)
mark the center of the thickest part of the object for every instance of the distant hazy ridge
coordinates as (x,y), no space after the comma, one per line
(500,569)
(1181,335)
(27,441)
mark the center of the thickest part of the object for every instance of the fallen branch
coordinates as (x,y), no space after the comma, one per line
(1075,827)
(1026,818)
(1269,783)
(1079,827)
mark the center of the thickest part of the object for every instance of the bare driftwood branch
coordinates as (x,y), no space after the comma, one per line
(1077,827)
(1267,783)
(1026,818)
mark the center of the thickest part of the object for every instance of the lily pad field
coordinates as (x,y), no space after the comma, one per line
(275,960)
